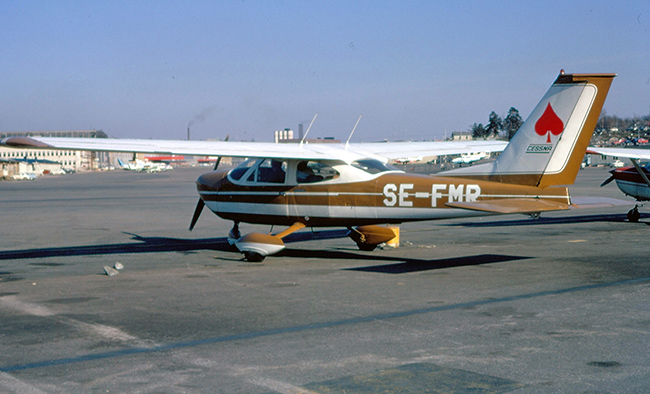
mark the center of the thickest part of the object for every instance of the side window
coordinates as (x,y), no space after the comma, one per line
(313,171)
(272,171)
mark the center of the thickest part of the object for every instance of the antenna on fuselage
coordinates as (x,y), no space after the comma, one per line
(347,143)
(308,128)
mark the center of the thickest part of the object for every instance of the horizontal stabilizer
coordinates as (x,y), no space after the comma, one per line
(597,202)
(532,205)
(511,205)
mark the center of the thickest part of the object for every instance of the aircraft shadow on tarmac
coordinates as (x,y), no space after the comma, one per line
(619,217)
(404,265)
(400,264)
(153,245)
(148,245)
(163,244)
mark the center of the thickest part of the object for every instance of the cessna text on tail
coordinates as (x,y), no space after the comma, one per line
(351,185)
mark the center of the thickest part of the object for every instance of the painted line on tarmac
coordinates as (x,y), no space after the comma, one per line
(9,384)
(309,327)
(104,331)
(280,387)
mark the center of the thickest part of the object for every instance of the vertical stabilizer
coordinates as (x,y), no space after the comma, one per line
(549,147)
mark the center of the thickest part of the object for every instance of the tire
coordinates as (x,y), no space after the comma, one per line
(634,215)
(253,257)
(366,247)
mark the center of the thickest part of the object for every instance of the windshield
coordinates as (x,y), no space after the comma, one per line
(238,172)
(373,166)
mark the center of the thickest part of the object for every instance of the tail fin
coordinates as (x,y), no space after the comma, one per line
(548,148)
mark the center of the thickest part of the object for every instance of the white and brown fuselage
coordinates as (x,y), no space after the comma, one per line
(633,181)
(386,197)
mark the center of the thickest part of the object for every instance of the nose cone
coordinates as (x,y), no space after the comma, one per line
(210,180)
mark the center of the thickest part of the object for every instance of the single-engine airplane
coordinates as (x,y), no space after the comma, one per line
(407,160)
(469,158)
(351,185)
(634,180)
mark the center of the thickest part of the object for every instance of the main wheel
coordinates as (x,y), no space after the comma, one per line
(253,257)
(634,215)
(366,247)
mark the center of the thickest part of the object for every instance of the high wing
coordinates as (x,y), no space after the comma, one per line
(621,152)
(378,150)
(395,150)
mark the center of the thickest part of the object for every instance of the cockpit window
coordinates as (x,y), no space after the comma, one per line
(314,171)
(373,166)
(260,171)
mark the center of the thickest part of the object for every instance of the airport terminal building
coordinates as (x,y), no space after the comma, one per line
(14,161)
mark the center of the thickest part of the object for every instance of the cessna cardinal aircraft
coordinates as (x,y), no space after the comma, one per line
(350,185)
(633,180)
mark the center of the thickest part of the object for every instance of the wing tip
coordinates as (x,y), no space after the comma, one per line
(23,142)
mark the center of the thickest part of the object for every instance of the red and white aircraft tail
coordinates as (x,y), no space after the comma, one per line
(548,148)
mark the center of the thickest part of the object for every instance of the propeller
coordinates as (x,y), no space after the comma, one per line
(200,204)
(197,213)
(611,178)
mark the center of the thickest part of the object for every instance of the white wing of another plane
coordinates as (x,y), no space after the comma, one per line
(621,152)
(379,150)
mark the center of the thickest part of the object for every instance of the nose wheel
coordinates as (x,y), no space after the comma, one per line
(233,236)
(256,246)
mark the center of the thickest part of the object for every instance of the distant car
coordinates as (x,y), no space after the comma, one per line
(617,164)
(24,176)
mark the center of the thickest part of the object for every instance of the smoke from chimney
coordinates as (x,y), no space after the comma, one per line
(200,117)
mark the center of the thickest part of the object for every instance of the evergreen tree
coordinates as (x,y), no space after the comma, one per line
(495,125)
(512,122)
(478,131)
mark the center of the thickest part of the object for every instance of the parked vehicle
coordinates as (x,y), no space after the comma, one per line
(24,176)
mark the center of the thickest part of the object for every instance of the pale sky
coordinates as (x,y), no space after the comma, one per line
(415,69)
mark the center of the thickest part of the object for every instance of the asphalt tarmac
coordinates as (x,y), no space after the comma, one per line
(489,305)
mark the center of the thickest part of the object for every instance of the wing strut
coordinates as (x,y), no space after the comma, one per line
(308,128)
(347,143)
(640,171)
